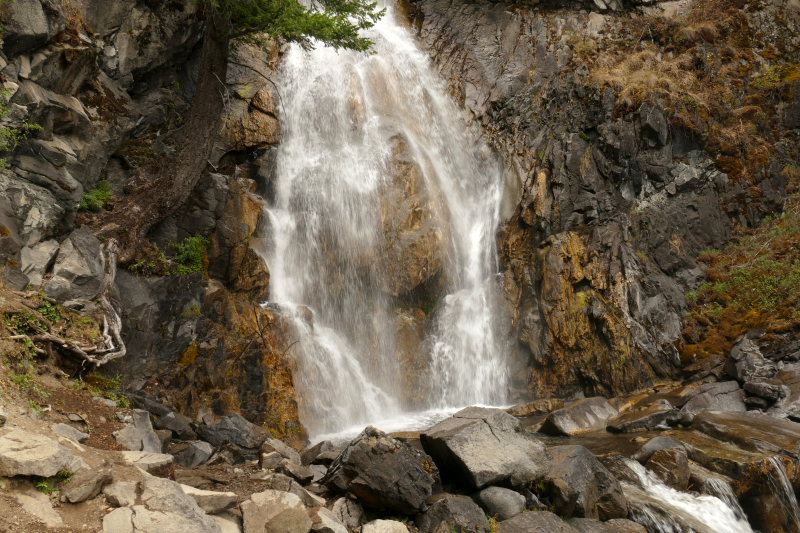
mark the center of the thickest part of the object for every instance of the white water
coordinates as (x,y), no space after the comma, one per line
(781,486)
(663,509)
(340,112)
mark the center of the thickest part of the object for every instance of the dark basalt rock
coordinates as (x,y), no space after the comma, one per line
(500,502)
(582,415)
(746,363)
(478,446)
(653,445)
(578,485)
(234,428)
(312,454)
(659,414)
(457,513)
(384,472)
(725,396)
(535,522)
(671,465)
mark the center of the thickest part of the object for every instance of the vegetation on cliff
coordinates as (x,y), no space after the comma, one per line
(754,282)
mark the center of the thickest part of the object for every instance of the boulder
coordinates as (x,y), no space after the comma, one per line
(349,513)
(147,461)
(227,454)
(70,432)
(235,428)
(578,485)
(29,454)
(38,504)
(34,260)
(536,407)
(384,526)
(657,415)
(653,123)
(78,270)
(771,392)
(140,436)
(179,425)
(618,525)
(671,466)
(653,445)
(724,396)
(751,431)
(29,24)
(324,521)
(274,445)
(167,509)
(384,472)
(297,471)
(210,501)
(481,446)
(121,493)
(118,521)
(310,455)
(535,522)
(581,415)
(229,522)
(290,521)
(86,484)
(264,507)
(195,454)
(457,513)
(500,503)
(287,484)
(746,363)
(271,460)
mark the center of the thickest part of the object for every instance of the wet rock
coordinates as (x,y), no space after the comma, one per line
(235,428)
(195,454)
(501,503)
(751,431)
(383,472)
(581,415)
(653,445)
(724,396)
(147,461)
(349,513)
(310,455)
(227,454)
(121,493)
(535,522)
(671,466)
(139,436)
(30,24)
(70,432)
(455,512)
(297,471)
(659,414)
(480,446)
(29,454)
(536,407)
(209,501)
(86,484)
(262,508)
(580,486)
(78,270)
(384,526)
(618,525)
(324,521)
(746,363)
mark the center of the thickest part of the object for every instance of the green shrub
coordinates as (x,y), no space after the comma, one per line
(97,198)
(190,254)
(11,137)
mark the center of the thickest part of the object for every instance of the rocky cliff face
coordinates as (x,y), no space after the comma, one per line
(637,136)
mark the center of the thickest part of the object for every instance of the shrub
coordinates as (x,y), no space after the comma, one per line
(97,198)
(190,254)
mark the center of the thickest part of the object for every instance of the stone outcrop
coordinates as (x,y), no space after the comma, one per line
(29,454)
(457,512)
(479,447)
(581,415)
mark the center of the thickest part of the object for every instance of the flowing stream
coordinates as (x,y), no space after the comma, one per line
(349,121)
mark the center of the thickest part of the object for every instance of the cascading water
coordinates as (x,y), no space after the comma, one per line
(343,117)
(662,509)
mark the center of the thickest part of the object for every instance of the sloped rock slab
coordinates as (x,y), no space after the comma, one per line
(580,486)
(724,396)
(535,522)
(147,461)
(457,513)
(582,415)
(751,431)
(479,447)
(28,454)
(659,414)
(384,472)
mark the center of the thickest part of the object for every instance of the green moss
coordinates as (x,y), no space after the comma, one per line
(97,198)
(190,254)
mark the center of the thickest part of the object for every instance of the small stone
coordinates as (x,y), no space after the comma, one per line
(148,461)
(500,502)
(105,401)
(210,501)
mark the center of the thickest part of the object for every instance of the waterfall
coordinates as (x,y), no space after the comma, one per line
(345,118)
(780,485)
(662,509)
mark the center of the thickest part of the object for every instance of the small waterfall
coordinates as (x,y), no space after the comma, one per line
(721,489)
(345,116)
(661,509)
(781,486)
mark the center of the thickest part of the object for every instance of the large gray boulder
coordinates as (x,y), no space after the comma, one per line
(195,454)
(29,24)
(140,436)
(324,521)
(383,472)
(657,415)
(262,508)
(578,485)
(535,522)
(29,454)
(501,503)
(165,508)
(457,513)
(78,271)
(349,512)
(480,446)
(671,466)
(247,436)
(581,415)
(86,484)
(653,445)
(210,501)
(724,396)
(746,363)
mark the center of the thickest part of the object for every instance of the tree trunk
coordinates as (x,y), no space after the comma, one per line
(136,213)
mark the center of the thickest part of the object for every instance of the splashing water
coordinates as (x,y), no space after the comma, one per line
(343,115)
(781,486)
(665,510)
